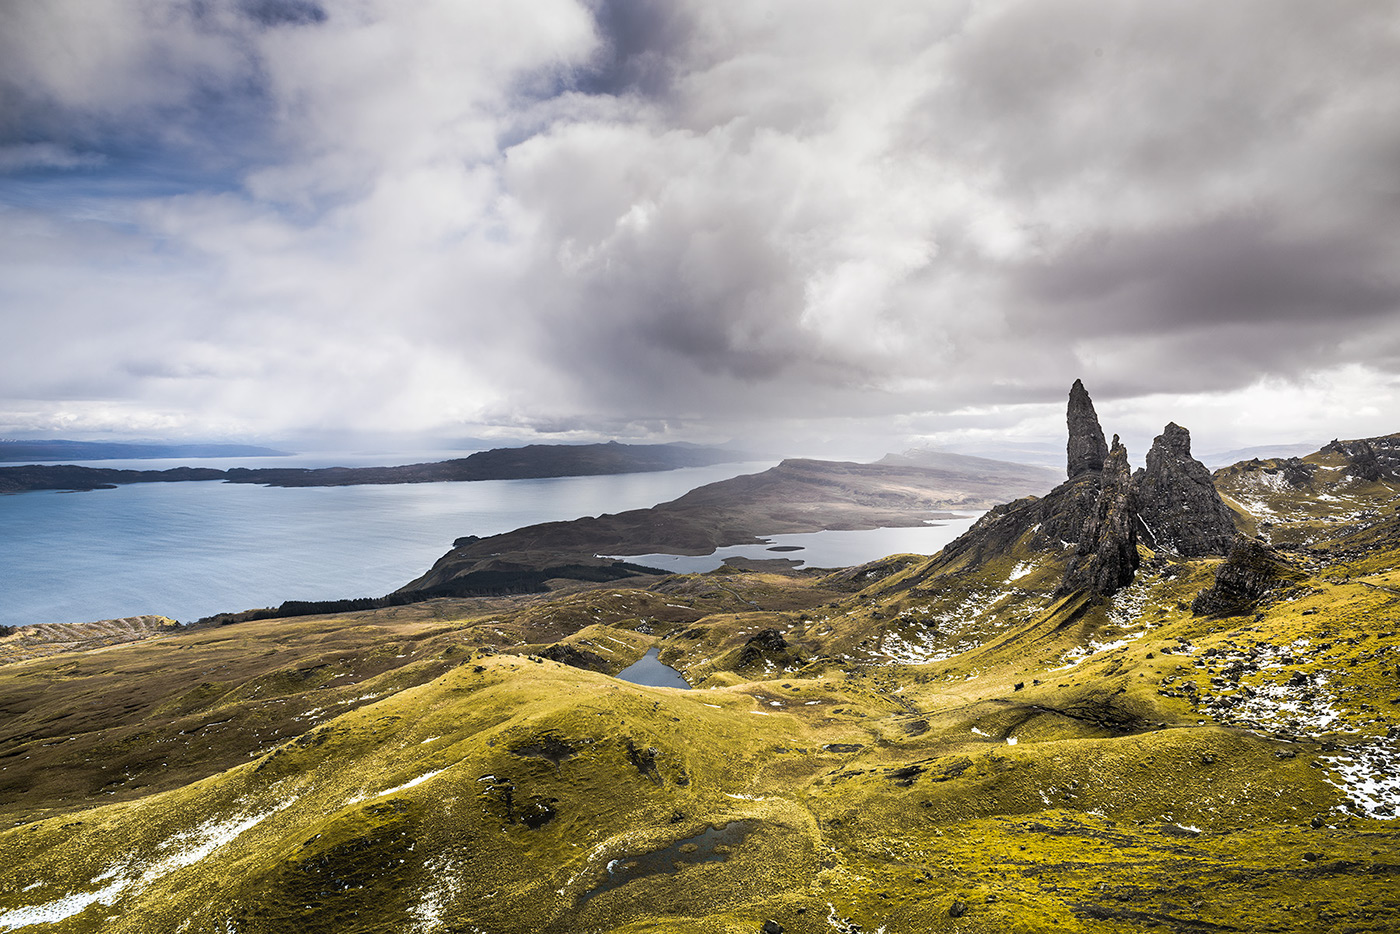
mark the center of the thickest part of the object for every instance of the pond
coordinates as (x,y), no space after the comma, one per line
(650,671)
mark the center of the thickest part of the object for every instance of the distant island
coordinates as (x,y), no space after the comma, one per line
(18,452)
(534,461)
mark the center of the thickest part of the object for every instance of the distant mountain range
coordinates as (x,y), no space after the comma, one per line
(1262,451)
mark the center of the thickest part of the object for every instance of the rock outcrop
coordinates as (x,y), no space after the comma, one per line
(1107,556)
(1369,458)
(1086,450)
(1178,507)
(1252,571)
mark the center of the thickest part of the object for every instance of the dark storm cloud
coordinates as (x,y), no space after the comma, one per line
(1161,197)
(283,12)
(145,87)
(639,42)
(1218,274)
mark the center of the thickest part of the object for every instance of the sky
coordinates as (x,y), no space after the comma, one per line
(798,222)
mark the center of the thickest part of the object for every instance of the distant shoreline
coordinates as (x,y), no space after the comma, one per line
(532,462)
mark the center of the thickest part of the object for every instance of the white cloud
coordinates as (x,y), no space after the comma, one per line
(426,214)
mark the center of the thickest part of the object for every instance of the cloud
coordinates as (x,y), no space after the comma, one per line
(641,213)
(20,156)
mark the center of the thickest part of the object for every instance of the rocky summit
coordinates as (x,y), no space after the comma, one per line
(1055,724)
(1178,507)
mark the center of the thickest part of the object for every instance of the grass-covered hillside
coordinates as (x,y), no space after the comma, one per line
(952,743)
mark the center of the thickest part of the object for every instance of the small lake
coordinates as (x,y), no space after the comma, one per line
(652,672)
(830,549)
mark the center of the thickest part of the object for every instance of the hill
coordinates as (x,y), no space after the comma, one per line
(1037,729)
(796,496)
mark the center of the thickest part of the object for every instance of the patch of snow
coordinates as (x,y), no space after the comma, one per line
(1369,775)
(1085,652)
(184,849)
(1304,709)
(1020,571)
(1011,741)
(444,879)
(195,845)
(411,783)
(61,908)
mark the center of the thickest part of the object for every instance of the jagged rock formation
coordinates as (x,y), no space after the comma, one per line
(1107,556)
(1297,472)
(1178,507)
(1086,450)
(1102,508)
(1251,572)
(573,656)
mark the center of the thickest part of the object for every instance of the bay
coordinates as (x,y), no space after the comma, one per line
(192,549)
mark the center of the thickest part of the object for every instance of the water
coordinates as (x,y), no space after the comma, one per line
(188,550)
(829,549)
(652,672)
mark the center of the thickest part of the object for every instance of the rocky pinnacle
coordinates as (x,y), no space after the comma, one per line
(1087,449)
(1107,556)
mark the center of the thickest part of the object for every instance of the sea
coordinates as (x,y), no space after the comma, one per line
(192,549)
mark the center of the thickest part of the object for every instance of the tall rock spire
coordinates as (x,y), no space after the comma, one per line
(1107,556)
(1087,449)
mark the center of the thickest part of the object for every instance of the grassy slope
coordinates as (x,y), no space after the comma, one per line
(934,749)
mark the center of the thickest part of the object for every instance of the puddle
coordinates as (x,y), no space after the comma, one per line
(650,671)
(713,845)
